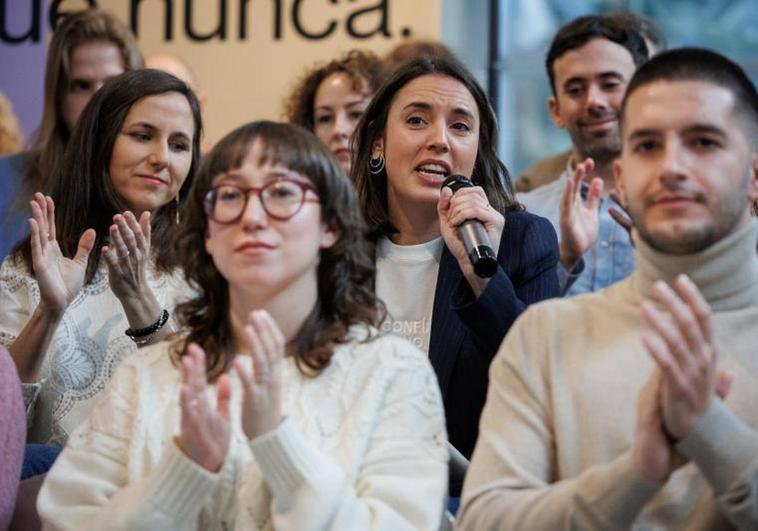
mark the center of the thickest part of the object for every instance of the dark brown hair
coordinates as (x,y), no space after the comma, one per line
(489,171)
(82,189)
(363,68)
(53,135)
(409,50)
(345,271)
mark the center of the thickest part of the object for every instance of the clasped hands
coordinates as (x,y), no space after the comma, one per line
(684,381)
(205,430)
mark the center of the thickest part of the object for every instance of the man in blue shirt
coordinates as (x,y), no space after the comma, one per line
(589,64)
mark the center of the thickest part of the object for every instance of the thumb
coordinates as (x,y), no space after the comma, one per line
(443,205)
(144,221)
(86,243)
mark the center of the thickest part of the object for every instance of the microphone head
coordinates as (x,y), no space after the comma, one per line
(456,182)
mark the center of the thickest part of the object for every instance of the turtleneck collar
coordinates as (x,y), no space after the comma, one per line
(726,272)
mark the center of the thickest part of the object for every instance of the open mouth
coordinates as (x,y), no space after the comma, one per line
(433,171)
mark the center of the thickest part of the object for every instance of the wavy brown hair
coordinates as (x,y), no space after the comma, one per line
(82,189)
(489,171)
(345,273)
(364,69)
(50,140)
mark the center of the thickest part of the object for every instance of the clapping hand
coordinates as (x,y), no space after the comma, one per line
(59,278)
(204,430)
(579,219)
(261,388)
(128,255)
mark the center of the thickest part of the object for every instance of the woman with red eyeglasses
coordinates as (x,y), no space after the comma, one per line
(280,405)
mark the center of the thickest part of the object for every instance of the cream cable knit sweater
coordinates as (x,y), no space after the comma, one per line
(554,446)
(362,447)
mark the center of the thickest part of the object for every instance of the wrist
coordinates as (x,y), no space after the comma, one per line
(48,312)
(568,257)
(141,309)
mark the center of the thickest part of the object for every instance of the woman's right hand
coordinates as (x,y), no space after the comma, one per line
(205,432)
(59,278)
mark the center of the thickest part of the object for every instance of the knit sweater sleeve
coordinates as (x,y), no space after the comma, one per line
(89,487)
(512,481)
(400,484)
(725,449)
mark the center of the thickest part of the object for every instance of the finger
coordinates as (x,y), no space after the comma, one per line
(271,337)
(42,219)
(567,197)
(126,231)
(109,255)
(144,221)
(668,331)
(118,243)
(620,217)
(443,205)
(223,397)
(136,235)
(39,217)
(196,375)
(245,376)
(482,213)
(689,293)
(35,240)
(84,248)
(687,326)
(257,353)
(51,218)
(723,384)
(594,193)
(669,368)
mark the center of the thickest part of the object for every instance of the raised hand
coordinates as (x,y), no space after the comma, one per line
(261,388)
(579,219)
(128,255)
(59,278)
(453,210)
(681,343)
(204,430)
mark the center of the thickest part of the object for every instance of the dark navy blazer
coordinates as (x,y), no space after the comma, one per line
(466,332)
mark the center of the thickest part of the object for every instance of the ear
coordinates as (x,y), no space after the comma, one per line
(329,236)
(555,112)
(377,147)
(752,191)
(619,182)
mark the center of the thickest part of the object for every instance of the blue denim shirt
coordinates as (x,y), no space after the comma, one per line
(13,225)
(611,258)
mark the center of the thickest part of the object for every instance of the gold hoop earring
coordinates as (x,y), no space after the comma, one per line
(177,209)
(376,165)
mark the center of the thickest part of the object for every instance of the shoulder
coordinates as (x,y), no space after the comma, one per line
(528,235)
(14,276)
(524,221)
(13,165)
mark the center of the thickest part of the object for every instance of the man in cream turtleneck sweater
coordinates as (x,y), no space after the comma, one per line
(605,410)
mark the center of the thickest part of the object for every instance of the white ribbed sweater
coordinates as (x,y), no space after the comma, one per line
(362,447)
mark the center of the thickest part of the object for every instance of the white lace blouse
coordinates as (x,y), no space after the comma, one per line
(88,345)
(362,446)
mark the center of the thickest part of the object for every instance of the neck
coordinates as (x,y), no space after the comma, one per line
(288,307)
(726,273)
(415,224)
(602,169)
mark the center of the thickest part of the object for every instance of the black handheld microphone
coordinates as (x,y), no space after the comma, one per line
(474,236)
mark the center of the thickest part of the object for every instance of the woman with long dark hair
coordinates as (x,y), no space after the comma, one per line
(429,121)
(280,405)
(71,315)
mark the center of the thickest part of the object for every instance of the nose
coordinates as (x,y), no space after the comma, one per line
(158,157)
(438,140)
(254,215)
(342,126)
(597,100)
(673,164)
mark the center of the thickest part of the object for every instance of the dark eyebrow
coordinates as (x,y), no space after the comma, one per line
(707,129)
(643,133)
(151,127)
(426,107)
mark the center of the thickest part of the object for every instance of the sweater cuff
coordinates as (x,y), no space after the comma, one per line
(722,446)
(287,459)
(179,486)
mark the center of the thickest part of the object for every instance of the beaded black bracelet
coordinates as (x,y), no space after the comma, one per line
(136,333)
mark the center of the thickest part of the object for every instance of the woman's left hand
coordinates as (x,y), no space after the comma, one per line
(453,210)
(261,389)
(127,259)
